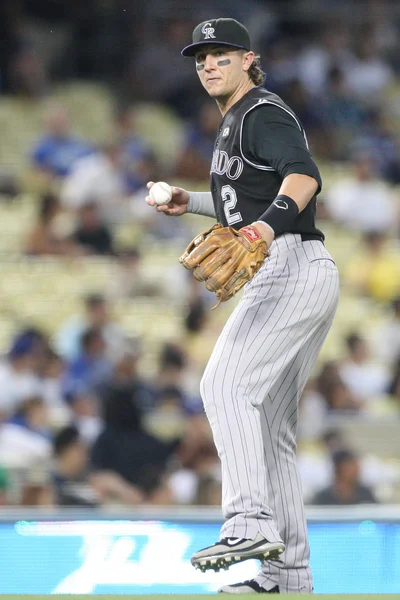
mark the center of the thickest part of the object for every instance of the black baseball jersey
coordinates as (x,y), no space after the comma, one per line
(260,142)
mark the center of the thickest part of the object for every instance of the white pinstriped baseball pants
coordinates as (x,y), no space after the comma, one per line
(251,388)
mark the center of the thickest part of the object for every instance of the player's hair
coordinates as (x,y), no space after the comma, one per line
(255,71)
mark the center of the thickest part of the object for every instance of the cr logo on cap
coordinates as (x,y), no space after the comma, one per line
(208,31)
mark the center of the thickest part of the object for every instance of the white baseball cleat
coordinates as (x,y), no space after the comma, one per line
(247,587)
(229,551)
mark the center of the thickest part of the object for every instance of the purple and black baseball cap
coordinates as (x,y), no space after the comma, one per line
(223,32)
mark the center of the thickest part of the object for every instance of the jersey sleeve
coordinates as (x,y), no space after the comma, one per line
(272,137)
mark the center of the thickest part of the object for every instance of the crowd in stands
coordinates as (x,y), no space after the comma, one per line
(77,412)
(81,422)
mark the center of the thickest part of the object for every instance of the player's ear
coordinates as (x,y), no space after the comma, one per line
(247,58)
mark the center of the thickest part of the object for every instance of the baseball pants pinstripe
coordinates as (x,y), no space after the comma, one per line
(251,388)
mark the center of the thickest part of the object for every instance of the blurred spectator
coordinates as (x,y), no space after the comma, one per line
(91,370)
(130,279)
(92,234)
(183,485)
(69,476)
(198,458)
(317,470)
(48,27)
(34,338)
(315,462)
(196,475)
(197,450)
(45,238)
(334,391)
(387,336)
(172,365)
(27,75)
(346,488)
(98,315)
(58,150)
(339,398)
(85,411)
(138,160)
(10,184)
(33,346)
(364,378)
(280,59)
(196,316)
(305,106)
(167,420)
(382,28)
(195,159)
(369,75)
(374,270)
(17,377)
(9,45)
(200,332)
(325,395)
(174,85)
(126,377)
(318,58)
(341,115)
(340,108)
(313,412)
(49,370)
(25,437)
(379,139)
(209,491)
(4,487)
(36,489)
(32,415)
(98,178)
(362,202)
(126,449)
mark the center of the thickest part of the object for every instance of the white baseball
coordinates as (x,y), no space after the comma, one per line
(161,193)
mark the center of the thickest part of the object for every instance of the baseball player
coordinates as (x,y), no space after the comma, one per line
(264,184)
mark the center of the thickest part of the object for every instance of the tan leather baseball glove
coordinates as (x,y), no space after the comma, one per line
(225,258)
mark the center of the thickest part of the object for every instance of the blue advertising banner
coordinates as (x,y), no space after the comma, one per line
(136,557)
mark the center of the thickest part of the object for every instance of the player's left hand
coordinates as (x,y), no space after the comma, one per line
(225,259)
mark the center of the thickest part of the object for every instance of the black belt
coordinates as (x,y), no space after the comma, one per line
(306,237)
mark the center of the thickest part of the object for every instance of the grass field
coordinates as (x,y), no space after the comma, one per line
(203,597)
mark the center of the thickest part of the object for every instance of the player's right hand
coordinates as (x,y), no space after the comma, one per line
(176,206)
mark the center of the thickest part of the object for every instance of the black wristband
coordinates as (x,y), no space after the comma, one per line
(281,214)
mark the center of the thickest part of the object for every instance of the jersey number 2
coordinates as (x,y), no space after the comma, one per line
(229,198)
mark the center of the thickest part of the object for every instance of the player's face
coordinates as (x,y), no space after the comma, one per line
(221,69)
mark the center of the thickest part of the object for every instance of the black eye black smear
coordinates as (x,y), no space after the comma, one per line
(223,63)
(199,67)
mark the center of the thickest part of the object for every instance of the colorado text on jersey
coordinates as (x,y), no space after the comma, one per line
(222,164)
